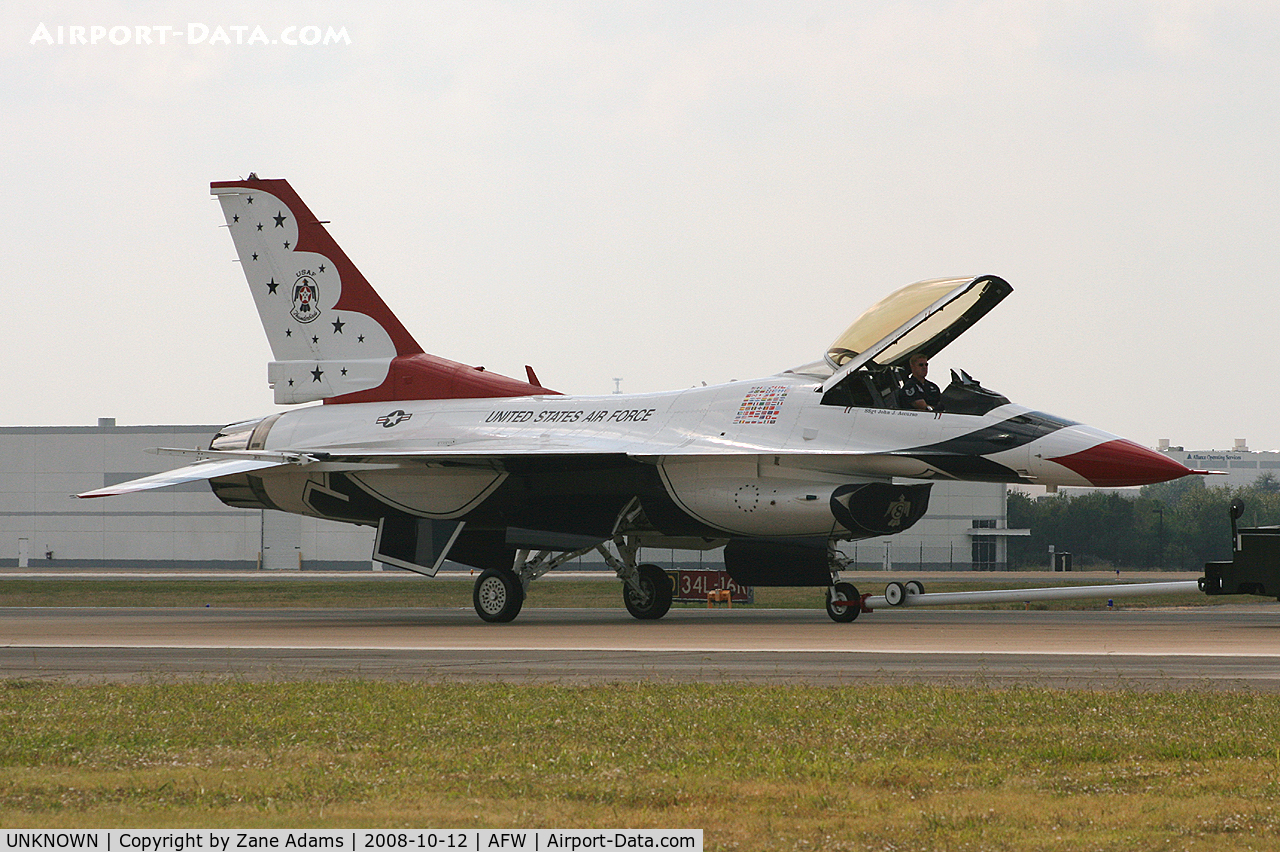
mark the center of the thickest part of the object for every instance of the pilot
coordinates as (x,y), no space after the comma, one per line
(917,391)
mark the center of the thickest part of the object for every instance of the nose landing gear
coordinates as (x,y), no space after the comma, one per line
(844,604)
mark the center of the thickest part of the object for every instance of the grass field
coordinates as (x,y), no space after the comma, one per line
(756,767)
(885,768)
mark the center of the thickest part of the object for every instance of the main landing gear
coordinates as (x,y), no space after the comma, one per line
(652,599)
(499,593)
(646,589)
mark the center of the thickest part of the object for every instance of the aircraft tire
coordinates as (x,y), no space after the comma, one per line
(914,587)
(498,595)
(655,599)
(894,593)
(843,592)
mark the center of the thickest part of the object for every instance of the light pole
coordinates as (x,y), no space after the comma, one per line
(1160,538)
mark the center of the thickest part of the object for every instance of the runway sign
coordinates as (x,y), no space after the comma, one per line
(693,586)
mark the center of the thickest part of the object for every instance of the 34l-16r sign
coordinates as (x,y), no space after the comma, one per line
(695,584)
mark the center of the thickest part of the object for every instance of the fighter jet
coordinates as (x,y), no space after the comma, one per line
(514,479)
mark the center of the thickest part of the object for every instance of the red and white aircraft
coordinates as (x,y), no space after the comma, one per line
(516,479)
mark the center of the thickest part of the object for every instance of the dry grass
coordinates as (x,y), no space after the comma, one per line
(893,768)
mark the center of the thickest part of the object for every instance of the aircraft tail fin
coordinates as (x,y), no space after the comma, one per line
(331,335)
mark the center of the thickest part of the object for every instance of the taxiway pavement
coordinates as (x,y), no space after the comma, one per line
(1208,647)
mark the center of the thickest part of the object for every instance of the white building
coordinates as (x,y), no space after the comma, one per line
(43,524)
(966,528)
(1240,465)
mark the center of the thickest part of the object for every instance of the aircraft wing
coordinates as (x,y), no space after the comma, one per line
(505,452)
(214,463)
(366,460)
(207,469)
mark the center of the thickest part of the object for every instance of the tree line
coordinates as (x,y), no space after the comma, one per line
(1176,526)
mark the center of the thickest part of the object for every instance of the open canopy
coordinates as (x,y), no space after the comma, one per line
(921,317)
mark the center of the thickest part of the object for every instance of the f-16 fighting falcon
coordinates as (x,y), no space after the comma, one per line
(515,479)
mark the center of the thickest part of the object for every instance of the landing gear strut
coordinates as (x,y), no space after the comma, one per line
(499,592)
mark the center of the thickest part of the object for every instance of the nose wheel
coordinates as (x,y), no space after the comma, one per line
(843,602)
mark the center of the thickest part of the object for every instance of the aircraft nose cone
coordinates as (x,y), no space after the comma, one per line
(1115,464)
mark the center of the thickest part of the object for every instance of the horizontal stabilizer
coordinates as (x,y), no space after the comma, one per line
(307,381)
(208,469)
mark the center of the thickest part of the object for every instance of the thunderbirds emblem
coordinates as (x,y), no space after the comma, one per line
(898,510)
(878,508)
(306,299)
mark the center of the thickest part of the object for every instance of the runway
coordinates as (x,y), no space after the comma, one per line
(1211,647)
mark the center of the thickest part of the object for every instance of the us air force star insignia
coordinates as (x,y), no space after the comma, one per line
(306,299)
(395,418)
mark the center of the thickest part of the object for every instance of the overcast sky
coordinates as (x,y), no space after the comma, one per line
(666,193)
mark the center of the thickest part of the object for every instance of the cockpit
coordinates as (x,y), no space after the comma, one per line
(865,366)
